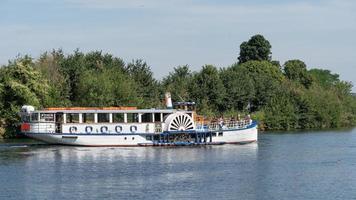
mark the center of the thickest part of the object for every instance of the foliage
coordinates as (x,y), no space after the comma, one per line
(115,89)
(257,48)
(296,70)
(281,98)
(324,77)
(208,89)
(147,85)
(178,83)
(20,84)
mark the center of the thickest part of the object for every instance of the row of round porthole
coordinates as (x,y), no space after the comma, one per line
(103,129)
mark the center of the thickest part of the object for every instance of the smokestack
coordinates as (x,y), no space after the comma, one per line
(168,100)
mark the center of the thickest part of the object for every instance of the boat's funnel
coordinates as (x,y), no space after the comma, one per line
(168,100)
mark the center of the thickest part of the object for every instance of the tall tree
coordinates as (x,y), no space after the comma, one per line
(49,64)
(207,89)
(263,78)
(296,70)
(178,82)
(324,77)
(74,65)
(148,86)
(257,48)
(107,87)
(20,84)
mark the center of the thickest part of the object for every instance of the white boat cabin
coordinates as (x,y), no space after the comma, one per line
(111,120)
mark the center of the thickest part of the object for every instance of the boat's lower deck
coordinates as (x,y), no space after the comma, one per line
(191,138)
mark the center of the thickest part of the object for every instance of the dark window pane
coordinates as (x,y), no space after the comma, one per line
(72,118)
(103,117)
(34,117)
(118,117)
(146,117)
(88,117)
(157,117)
(132,117)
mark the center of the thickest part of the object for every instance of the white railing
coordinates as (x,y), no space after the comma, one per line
(215,126)
(42,127)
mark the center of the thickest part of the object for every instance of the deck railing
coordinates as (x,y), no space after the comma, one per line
(42,127)
(223,125)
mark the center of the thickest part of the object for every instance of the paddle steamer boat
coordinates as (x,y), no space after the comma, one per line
(129,126)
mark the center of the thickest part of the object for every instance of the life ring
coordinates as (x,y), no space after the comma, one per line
(104,129)
(73,129)
(118,129)
(88,129)
(133,129)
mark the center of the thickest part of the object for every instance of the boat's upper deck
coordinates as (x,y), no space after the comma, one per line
(97,115)
(106,110)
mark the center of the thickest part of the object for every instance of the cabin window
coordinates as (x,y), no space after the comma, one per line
(118,117)
(25,118)
(88,117)
(72,118)
(158,117)
(47,117)
(165,115)
(213,134)
(34,117)
(146,117)
(221,133)
(132,117)
(103,118)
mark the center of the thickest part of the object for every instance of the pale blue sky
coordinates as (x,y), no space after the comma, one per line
(168,33)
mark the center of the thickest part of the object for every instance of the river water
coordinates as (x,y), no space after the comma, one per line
(299,165)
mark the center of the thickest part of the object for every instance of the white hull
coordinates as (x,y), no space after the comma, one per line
(237,136)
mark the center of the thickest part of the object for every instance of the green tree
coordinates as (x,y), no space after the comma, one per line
(148,86)
(257,48)
(240,88)
(20,85)
(49,64)
(207,87)
(178,82)
(73,66)
(280,113)
(296,70)
(324,77)
(107,87)
(265,78)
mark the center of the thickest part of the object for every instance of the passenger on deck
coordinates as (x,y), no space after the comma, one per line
(221,122)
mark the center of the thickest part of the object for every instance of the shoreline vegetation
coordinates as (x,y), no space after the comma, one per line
(280,97)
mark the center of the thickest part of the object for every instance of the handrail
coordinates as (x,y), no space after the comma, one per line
(223,125)
(42,127)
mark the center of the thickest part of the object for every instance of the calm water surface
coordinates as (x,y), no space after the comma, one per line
(305,165)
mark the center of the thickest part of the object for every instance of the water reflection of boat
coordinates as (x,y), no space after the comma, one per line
(129,126)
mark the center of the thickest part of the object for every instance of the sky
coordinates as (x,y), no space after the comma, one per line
(169,33)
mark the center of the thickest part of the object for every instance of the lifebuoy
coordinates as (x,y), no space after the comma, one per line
(104,129)
(118,129)
(73,129)
(88,129)
(133,129)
